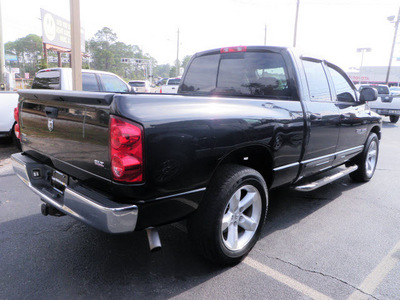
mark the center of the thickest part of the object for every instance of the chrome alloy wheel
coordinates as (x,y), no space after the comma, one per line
(370,161)
(241,218)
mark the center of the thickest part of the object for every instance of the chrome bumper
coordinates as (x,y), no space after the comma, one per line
(92,208)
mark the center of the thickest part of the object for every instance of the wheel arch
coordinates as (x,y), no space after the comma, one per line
(256,157)
(377,131)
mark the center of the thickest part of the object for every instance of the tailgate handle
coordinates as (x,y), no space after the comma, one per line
(51,112)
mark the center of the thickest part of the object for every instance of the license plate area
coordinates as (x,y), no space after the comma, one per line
(59,181)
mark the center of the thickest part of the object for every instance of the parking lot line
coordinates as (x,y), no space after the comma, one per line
(290,282)
(375,278)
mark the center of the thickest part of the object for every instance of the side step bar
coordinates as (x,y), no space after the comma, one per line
(321,182)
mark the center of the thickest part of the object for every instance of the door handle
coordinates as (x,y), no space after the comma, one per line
(315,117)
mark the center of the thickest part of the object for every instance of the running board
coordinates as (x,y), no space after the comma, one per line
(321,182)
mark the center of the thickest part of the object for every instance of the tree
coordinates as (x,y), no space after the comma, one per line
(106,53)
(185,61)
(29,53)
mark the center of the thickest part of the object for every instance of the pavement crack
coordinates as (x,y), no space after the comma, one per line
(323,274)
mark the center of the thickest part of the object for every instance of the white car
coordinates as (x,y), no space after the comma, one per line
(8,101)
(171,86)
(395,91)
(141,86)
(386,104)
(92,81)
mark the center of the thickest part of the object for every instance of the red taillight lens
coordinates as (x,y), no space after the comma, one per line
(17,131)
(126,150)
(234,49)
(16,114)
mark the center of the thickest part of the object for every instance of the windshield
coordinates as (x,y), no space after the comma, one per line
(261,74)
(47,80)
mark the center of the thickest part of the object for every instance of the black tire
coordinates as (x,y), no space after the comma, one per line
(394,119)
(242,223)
(367,160)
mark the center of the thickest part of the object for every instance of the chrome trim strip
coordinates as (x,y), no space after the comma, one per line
(333,154)
(286,166)
(182,194)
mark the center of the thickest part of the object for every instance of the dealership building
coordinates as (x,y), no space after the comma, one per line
(375,75)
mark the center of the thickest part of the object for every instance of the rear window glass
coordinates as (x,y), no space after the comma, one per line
(137,84)
(89,82)
(380,88)
(261,74)
(47,80)
(174,81)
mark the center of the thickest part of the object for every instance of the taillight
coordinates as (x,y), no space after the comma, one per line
(16,114)
(126,150)
(233,49)
(17,130)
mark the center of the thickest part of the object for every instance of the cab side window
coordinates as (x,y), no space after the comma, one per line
(344,91)
(317,81)
(113,84)
(89,82)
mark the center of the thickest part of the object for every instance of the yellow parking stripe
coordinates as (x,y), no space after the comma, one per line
(375,278)
(290,282)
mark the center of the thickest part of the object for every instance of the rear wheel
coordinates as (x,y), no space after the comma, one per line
(367,160)
(394,119)
(229,220)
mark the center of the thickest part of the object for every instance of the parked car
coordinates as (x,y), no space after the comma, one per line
(92,80)
(141,86)
(394,91)
(8,102)
(254,119)
(386,105)
(171,86)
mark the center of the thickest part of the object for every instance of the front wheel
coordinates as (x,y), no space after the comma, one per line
(394,119)
(367,160)
(229,220)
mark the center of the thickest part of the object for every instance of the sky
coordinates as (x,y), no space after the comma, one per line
(331,29)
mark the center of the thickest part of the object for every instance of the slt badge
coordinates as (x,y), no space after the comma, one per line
(50,124)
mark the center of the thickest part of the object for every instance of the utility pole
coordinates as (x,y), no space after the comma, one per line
(76,57)
(396,26)
(177,55)
(295,23)
(362,50)
(2,60)
(265,35)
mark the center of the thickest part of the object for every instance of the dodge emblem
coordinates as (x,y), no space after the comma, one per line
(50,124)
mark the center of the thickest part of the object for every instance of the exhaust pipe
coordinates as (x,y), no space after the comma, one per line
(154,239)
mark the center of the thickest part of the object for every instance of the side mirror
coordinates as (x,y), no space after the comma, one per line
(368,94)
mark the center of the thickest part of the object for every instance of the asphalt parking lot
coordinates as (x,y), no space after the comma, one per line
(339,242)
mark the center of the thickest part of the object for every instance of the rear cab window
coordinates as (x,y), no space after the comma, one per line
(47,80)
(89,82)
(252,73)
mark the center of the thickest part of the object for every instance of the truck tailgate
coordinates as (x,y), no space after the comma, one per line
(69,128)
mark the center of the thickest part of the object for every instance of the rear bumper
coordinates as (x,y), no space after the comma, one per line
(92,208)
(387,112)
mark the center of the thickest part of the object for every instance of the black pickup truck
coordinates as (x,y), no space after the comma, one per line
(245,120)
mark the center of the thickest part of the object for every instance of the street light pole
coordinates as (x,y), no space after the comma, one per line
(2,59)
(177,55)
(396,26)
(295,23)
